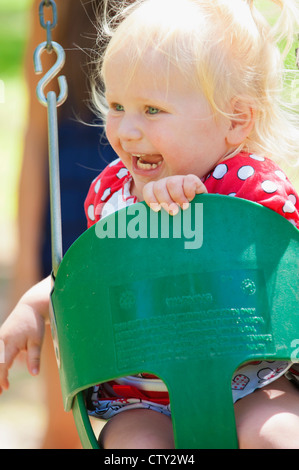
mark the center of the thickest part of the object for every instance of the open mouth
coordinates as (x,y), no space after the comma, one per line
(147,162)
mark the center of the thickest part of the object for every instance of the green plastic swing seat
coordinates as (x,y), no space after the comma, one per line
(188,305)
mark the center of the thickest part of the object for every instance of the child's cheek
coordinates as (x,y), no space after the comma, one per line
(110,130)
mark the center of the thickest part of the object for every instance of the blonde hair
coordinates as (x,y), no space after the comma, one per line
(226,47)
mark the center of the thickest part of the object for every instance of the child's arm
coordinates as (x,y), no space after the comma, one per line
(172,192)
(23,330)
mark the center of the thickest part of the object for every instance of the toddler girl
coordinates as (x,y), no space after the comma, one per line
(191,104)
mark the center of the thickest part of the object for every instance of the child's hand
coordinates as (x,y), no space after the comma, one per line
(172,192)
(24,330)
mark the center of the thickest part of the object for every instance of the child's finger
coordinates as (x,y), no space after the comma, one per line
(4,384)
(33,358)
(192,185)
(159,195)
(176,191)
(9,356)
(150,198)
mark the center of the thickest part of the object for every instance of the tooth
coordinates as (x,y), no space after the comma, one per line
(146,166)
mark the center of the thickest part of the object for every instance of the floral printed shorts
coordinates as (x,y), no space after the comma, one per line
(106,400)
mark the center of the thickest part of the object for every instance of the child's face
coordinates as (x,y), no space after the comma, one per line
(160,126)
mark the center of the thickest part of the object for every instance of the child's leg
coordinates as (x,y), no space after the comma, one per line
(138,429)
(269,417)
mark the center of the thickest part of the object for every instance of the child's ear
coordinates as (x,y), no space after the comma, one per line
(241,122)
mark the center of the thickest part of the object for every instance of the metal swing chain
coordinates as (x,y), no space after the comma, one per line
(52,102)
(48,26)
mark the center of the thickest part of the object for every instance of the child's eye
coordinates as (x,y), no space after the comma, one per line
(152,110)
(117,107)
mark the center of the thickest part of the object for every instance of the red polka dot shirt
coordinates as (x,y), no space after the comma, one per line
(246,176)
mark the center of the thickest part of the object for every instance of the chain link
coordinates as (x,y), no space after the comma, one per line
(48,25)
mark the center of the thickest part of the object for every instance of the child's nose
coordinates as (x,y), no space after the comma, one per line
(129,128)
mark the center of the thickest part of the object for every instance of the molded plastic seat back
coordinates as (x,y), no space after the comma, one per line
(187,298)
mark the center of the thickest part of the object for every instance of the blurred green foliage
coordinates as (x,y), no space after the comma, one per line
(14,29)
(14,22)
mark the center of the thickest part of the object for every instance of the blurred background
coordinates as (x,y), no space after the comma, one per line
(23,414)
(31,412)
(14,25)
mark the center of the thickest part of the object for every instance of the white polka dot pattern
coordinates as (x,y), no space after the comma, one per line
(245,172)
(247,176)
(269,186)
(220,171)
(90,212)
(257,179)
